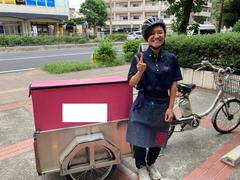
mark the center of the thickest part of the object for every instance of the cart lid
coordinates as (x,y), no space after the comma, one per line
(47,84)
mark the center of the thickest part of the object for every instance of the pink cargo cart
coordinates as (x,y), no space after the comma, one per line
(80,126)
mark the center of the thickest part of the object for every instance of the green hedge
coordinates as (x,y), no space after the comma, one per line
(236,26)
(118,37)
(15,40)
(105,52)
(222,49)
(131,46)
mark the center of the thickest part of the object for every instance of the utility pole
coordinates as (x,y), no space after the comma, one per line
(110,18)
(221,16)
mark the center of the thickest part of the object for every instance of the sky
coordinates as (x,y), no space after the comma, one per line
(75,3)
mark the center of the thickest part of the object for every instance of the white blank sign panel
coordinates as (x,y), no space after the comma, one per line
(84,112)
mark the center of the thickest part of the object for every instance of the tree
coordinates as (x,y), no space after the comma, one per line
(75,21)
(71,23)
(182,9)
(231,12)
(216,11)
(236,26)
(221,16)
(95,12)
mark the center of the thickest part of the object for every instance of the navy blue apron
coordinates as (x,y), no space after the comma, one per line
(146,125)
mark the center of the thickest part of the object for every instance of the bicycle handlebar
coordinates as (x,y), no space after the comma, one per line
(206,63)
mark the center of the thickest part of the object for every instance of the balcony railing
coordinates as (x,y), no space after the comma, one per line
(136,9)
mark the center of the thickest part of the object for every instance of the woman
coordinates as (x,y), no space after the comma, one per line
(154,73)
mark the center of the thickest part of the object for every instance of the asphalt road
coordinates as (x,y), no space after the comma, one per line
(15,61)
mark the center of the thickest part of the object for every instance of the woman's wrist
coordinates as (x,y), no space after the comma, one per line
(139,73)
(170,108)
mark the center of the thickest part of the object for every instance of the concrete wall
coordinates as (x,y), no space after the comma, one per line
(203,79)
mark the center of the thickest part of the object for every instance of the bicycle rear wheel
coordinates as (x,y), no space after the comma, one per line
(227,116)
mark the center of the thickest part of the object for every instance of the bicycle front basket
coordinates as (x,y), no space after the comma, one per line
(230,85)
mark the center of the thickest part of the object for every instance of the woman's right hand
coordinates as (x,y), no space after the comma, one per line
(141,66)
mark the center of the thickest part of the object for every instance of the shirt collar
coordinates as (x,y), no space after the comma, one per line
(151,54)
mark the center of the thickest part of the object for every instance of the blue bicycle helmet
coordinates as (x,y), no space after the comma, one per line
(149,24)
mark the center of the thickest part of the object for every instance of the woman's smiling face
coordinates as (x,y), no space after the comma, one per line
(157,37)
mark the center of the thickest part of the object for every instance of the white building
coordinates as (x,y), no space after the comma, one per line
(33,17)
(128,15)
(74,13)
(206,12)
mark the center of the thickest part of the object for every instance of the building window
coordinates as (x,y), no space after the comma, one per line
(166,16)
(136,5)
(151,15)
(149,3)
(136,17)
(1,29)
(11,29)
(123,5)
(20,2)
(124,18)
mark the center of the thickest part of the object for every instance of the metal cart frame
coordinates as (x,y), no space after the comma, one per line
(81,149)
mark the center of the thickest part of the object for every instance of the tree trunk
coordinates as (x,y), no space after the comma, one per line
(110,19)
(221,16)
(186,15)
(95,30)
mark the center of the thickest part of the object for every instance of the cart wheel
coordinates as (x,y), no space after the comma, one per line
(102,154)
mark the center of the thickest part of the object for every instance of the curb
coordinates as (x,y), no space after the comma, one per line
(18,70)
(45,47)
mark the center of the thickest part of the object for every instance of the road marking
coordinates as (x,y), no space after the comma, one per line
(17,70)
(37,57)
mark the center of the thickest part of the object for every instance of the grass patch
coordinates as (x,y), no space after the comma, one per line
(73,66)
(68,66)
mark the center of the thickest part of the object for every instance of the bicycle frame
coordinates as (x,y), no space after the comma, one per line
(214,104)
(193,116)
(221,103)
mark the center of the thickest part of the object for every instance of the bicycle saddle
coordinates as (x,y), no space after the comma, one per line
(185,88)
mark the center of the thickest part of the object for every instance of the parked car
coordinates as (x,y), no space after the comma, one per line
(134,35)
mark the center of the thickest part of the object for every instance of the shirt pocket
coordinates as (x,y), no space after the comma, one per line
(165,77)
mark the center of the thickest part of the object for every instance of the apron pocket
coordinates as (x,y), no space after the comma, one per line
(151,114)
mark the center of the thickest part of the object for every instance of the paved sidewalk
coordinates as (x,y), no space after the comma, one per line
(189,155)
